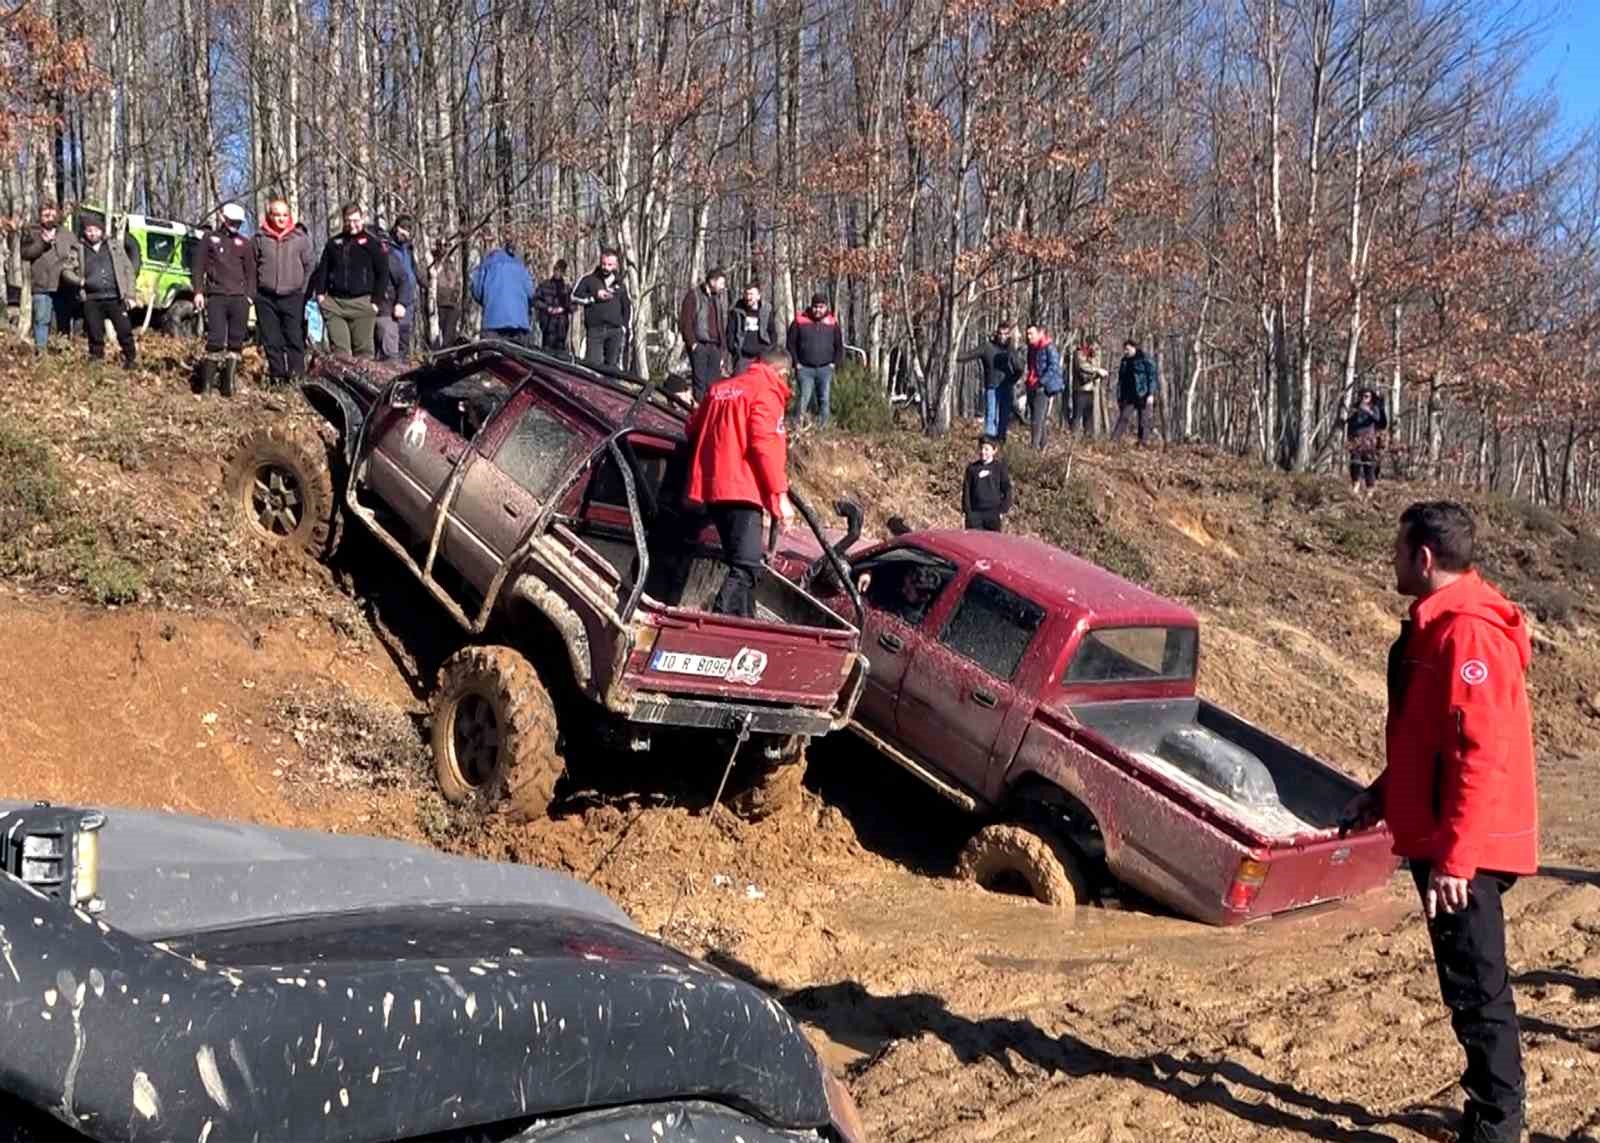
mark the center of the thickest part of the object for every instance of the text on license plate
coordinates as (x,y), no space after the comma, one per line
(683,663)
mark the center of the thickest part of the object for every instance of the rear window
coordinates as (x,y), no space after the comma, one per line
(1134,654)
(992,627)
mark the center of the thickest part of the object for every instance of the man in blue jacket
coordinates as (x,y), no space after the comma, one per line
(394,327)
(503,287)
(1137,386)
(1045,381)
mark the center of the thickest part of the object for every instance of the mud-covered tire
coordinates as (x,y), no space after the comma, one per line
(999,856)
(279,483)
(494,732)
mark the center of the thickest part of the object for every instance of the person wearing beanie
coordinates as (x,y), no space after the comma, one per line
(552,308)
(816,345)
(224,280)
(283,272)
(108,276)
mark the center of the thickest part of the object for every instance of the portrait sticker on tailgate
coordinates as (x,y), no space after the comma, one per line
(745,667)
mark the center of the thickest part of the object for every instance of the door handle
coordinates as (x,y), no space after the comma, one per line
(984,698)
(511,509)
(891,642)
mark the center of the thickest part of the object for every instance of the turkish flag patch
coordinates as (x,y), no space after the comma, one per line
(1474,671)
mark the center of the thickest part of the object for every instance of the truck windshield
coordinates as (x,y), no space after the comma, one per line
(1134,654)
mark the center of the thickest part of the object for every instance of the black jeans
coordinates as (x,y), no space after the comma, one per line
(281,322)
(705,362)
(605,346)
(983,521)
(554,334)
(1127,412)
(1079,411)
(227,322)
(98,311)
(1039,413)
(1469,950)
(739,528)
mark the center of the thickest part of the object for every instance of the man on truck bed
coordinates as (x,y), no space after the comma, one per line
(738,469)
(1458,792)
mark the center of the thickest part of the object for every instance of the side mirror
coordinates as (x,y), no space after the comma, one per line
(403,395)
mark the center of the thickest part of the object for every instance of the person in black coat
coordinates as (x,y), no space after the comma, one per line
(986,488)
(552,310)
(1362,434)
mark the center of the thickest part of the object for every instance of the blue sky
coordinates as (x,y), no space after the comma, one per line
(1568,58)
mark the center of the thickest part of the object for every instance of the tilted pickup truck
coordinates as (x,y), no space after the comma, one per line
(1058,701)
(540,503)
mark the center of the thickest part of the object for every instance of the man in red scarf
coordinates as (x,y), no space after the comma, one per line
(738,468)
(283,268)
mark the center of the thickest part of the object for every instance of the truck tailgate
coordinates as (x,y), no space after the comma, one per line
(725,657)
(1308,871)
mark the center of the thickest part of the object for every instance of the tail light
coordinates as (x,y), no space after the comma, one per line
(1246,884)
(54,851)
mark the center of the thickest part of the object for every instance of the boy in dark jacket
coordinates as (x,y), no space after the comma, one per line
(552,309)
(986,489)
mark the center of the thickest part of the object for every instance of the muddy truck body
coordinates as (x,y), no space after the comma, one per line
(165,977)
(540,504)
(1058,701)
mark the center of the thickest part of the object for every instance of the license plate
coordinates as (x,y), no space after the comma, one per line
(683,663)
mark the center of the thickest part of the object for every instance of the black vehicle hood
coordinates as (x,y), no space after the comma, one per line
(376,1025)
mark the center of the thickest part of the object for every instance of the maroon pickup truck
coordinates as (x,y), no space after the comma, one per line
(540,503)
(1058,700)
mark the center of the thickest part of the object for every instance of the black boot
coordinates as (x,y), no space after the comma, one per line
(205,375)
(225,374)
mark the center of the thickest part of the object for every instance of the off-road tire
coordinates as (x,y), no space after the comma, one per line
(280,483)
(181,319)
(1047,865)
(494,691)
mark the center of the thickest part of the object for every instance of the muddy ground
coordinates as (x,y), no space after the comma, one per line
(149,658)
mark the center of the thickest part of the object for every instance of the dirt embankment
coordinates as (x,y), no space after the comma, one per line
(224,684)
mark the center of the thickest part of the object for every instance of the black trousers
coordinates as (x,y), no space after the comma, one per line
(1078,410)
(281,321)
(705,362)
(739,529)
(605,346)
(983,521)
(554,333)
(1469,950)
(98,311)
(227,322)
(1126,413)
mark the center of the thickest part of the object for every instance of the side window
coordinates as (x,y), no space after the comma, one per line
(904,582)
(606,487)
(159,247)
(465,403)
(539,451)
(993,627)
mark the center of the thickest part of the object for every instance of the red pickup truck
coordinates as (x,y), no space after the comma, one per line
(1058,700)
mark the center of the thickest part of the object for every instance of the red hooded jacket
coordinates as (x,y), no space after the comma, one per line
(741,452)
(1459,787)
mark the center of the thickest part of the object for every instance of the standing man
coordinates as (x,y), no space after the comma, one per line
(283,270)
(351,283)
(1459,793)
(738,469)
(816,344)
(1137,386)
(1002,369)
(552,309)
(750,329)
(108,276)
(607,310)
(407,291)
(986,488)
(224,279)
(49,249)
(1045,381)
(1087,373)
(502,285)
(702,323)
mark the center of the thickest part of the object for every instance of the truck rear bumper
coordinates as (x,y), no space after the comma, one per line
(669,710)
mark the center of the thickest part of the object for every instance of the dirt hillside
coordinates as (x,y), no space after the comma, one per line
(151,657)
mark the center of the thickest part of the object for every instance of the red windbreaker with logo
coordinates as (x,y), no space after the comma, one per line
(1459,788)
(741,452)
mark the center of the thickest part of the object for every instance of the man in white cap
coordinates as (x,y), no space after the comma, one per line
(224,279)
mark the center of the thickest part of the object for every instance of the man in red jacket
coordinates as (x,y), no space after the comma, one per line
(739,468)
(1458,792)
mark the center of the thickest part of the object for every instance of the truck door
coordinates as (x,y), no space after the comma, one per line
(903,588)
(961,688)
